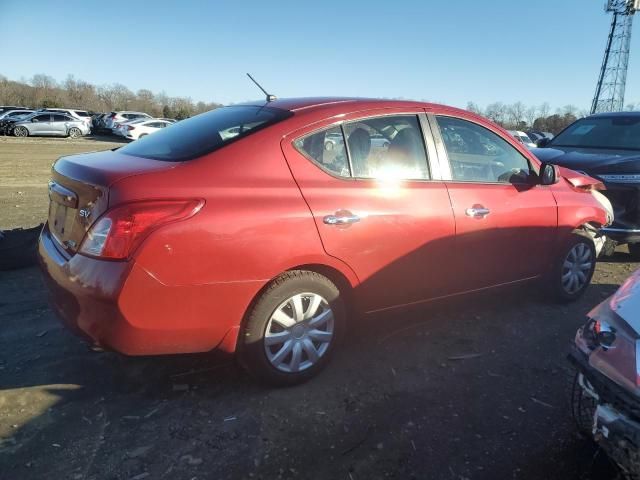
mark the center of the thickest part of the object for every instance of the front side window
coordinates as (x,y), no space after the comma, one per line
(42,118)
(388,147)
(476,154)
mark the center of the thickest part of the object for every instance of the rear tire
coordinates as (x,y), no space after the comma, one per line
(74,132)
(573,269)
(634,250)
(292,330)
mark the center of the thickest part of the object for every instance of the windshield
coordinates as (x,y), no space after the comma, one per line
(621,133)
(204,133)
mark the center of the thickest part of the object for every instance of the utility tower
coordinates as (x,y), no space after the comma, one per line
(612,81)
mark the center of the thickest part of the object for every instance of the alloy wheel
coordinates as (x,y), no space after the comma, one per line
(20,132)
(299,332)
(576,267)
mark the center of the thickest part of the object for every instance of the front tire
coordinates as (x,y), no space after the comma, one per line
(292,329)
(573,270)
(634,250)
(21,131)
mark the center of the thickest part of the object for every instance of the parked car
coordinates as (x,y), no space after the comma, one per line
(8,119)
(83,115)
(260,243)
(522,138)
(141,128)
(606,392)
(8,114)
(536,135)
(606,146)
(5,108)
(49,124)
(115,118)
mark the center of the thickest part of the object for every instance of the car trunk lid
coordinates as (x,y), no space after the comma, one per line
(79,190)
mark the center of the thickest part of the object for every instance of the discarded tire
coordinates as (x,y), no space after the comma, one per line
(18,247)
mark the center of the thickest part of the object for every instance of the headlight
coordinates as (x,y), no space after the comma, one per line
(621,178)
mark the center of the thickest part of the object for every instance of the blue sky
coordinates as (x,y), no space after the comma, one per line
(445,51)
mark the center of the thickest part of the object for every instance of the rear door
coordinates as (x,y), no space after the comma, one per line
(60,123)
(380,207)
(505,223)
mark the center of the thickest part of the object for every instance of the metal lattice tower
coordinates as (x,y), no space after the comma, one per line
(609,95)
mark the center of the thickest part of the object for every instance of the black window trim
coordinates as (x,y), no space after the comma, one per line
(421,117)
(443,151)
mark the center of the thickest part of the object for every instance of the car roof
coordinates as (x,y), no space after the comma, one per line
(297,104)
(614,114)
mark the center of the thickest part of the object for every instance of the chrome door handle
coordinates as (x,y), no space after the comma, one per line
(477,212)
(341,219)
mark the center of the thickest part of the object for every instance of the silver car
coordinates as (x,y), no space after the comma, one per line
(54,124)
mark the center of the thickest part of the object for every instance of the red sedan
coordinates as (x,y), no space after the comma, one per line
(256,228)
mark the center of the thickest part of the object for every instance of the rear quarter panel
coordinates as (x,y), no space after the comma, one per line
(254,225)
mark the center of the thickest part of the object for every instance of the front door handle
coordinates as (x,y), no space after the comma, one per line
(477,211)
(341,218)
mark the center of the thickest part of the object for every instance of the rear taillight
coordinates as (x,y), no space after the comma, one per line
(118,233)
(129,127)
(113,115)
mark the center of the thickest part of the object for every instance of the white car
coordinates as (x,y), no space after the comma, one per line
(73,112)
(141,127)
(116,118)
(522,138)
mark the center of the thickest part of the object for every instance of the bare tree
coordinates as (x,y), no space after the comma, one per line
(474,108)
(531,114)
(516,114)
(496,112)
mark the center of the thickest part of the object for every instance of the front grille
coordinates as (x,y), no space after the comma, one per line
(626,204)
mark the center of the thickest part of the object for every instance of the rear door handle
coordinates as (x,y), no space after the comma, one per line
(341,219)
(477,212)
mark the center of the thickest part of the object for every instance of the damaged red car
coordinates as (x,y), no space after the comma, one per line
(606,392)
(261,228)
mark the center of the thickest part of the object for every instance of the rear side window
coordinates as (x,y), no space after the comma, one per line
(388,147)
(204,133)
(61,118)
(326,148)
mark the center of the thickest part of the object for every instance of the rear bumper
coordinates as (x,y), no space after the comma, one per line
(120,306)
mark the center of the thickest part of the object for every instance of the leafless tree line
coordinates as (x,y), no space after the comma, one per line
(518,116)
(44,91)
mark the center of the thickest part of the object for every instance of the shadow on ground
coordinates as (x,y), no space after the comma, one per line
(474,388)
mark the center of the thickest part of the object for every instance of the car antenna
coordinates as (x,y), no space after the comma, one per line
(270,98)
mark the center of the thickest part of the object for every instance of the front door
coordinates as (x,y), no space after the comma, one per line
(40,124)
(505,223)
(377,206)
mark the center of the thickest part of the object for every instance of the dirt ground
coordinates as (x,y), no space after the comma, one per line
(25,169)
(475,388)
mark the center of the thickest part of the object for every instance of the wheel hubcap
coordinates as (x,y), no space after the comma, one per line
(576,268)
(299,332)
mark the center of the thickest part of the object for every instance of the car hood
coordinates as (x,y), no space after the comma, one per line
(626,302)
(590,160)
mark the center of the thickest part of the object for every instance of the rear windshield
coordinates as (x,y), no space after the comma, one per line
(204,133)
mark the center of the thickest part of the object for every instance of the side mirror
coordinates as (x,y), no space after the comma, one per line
(549,174)
(543,142)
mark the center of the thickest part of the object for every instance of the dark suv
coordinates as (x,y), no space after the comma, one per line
(606,146)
